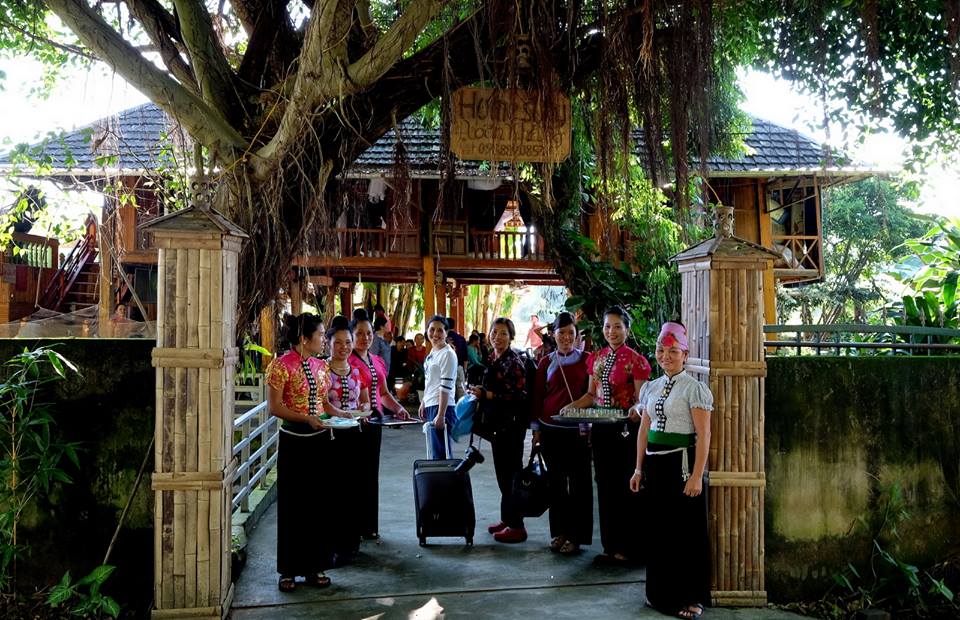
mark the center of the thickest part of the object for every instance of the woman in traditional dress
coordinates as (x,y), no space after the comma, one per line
(561,376)
(504,390)
(672,450)
(440,375)
(617,374)
(373,373)
(297,392)
(347,392)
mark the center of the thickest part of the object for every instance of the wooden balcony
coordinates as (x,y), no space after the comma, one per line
(28,264)
(802,258)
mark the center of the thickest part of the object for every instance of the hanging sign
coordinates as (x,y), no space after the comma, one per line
(509,125)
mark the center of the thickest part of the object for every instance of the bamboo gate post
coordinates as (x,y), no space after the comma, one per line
(195,358)
(722,307)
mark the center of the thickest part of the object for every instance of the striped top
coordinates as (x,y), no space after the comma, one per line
(440,373)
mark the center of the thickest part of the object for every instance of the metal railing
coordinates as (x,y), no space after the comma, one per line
(862,339)
(256,436)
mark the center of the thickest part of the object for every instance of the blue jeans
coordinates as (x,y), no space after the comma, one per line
(434,438)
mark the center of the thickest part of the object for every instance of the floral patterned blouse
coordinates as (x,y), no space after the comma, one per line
(614,373)
(372,374)
(506,376)
(287,375)
(344,390)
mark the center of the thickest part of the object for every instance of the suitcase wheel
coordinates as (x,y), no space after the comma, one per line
(469,541)
(423,541)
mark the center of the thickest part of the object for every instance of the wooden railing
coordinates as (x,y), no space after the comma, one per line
(32,251)
(862,339)
(256,439)
(60,284)
(804,251)
(372,242)
(506,245)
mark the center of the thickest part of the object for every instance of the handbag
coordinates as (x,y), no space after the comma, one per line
(489,421)
(530,494)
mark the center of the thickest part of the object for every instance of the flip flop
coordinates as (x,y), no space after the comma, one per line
(320,580)
(611,559)
(569,548)
(287,584)
(690,614)
(557,543)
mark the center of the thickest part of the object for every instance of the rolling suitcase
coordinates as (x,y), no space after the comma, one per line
(443,500)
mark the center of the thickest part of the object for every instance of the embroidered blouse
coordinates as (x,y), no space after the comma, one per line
(614,373)
(440,374)
(505,376)
(288,376)
(551,393)
(373,374)
(668,401)
(344,390)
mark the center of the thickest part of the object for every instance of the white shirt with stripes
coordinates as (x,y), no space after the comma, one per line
(440,374)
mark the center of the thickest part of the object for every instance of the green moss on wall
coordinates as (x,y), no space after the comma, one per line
(840,433)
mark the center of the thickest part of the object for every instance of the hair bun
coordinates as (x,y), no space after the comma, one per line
(339,322)
(360,315)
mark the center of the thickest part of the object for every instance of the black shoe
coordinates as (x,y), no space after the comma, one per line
(371,536)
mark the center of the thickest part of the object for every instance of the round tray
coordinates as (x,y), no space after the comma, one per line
(359,413)
(572,420)
(336,423)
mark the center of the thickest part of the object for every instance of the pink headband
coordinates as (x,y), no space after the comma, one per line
(673,333)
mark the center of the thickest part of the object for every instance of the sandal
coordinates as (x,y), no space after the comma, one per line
(320,580)
(557,543)
(611,559)
(569,548)
(691,614)
(286,584)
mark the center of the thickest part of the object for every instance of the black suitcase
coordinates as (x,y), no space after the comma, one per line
(443,500)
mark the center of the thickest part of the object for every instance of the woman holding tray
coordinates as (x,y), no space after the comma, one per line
(617,373)
(298,382)
(347,393)
(373,374)
(672,450)
(561,376)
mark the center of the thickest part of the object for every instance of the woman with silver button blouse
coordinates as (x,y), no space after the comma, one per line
(672,449)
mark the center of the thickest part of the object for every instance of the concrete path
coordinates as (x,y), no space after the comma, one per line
(395,578)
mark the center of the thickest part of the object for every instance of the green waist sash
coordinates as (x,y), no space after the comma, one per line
(679,440)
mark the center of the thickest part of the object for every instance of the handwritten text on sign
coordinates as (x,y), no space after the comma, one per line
(503,125)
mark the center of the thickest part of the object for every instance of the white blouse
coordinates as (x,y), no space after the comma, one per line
(439,374)
(668,401)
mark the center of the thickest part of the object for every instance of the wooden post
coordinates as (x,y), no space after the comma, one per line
(195,358)
(722,283)
(429,287)
(441,292)
(106,307)
(296,294)
(268,331)
(346,299)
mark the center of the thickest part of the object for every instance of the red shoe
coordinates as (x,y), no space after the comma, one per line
(496,527)
(511,535)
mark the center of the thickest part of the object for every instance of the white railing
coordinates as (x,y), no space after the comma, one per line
(256,436)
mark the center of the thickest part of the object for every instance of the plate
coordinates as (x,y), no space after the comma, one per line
(571,420)
(339,423)
(358,413)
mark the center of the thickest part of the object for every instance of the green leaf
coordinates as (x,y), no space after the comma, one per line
(59,595)
(110,606)
(98,575)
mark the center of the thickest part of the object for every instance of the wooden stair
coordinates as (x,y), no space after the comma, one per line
(76,284)
(85,290)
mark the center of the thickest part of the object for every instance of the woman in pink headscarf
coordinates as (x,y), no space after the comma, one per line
(672,449)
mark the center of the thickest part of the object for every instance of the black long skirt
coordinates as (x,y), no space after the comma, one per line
(567,455)
(369,478)
(304,544)
(346,486)
(620,510)
(678,547)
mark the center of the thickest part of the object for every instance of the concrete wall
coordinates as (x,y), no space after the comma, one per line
(840,432)
(110,412)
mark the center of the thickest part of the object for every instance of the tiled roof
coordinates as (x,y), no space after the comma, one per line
(135,139)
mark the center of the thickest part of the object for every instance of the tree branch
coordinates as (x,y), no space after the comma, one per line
(210,67)
(272,46)
(205,124)
(322,76)
(163,30)
(391,46)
